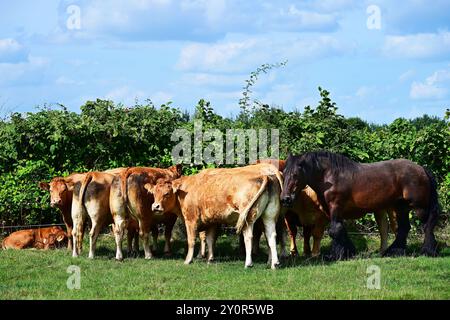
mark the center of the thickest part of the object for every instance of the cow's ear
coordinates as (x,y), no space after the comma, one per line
(149,187)
(44,185)
(177,169)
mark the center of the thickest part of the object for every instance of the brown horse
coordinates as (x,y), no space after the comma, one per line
(347,190)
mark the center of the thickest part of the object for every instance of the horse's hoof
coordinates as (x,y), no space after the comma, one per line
(394,252)
(429,252)
(276,266)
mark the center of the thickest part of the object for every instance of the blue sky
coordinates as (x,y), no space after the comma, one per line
(186,50)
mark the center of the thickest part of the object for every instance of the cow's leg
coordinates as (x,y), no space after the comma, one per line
(257,233)
(69,238)
(271,235)
(292,231)
(93,234)
(168,235)
(210,241)
(248,238)
(191,234)
(146,242)
(317,234)
(307,232)
(119,230)
(78,218)
(130,236)
(382,222)
(155,233)
(202,252)
(136,243)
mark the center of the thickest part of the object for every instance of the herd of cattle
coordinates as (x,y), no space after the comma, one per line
(136,200)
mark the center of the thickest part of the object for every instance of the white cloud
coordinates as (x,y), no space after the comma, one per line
(125,95)
(199,20)
(246,54)
(12,51)
(406,75)
(418,46)
(434,87)
(29,71)
(66,81)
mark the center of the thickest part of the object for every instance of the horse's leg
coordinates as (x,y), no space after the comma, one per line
(381,219)
(341,247)
(429,247)
(398,247)
(292,231)
(307,232)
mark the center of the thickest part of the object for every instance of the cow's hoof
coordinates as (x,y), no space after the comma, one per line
(148,257)
(428,251)
(186,262)
(275,266)
(248,266)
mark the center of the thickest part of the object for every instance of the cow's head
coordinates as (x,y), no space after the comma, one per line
(164,196)
(58,188)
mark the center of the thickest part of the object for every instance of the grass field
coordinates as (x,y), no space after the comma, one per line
(32,274)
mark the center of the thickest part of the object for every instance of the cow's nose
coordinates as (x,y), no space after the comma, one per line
(286,201)
(55,202)
(156,207)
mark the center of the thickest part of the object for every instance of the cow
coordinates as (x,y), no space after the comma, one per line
(42,238)
(91,199)
(61,191)
(237,196)
(129,198)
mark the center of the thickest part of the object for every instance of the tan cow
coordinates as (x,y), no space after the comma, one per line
(237,196)
(42,238)
(61,190)
(128,197)
(91,199)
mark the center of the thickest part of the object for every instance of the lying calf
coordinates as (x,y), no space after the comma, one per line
(43,238)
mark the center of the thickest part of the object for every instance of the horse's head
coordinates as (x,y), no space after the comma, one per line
(294,179)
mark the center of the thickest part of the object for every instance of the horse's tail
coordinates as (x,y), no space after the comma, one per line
(433,211)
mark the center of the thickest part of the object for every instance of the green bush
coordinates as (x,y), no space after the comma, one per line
(51,142)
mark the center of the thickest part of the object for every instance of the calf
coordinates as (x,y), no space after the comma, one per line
(129,198)
(42,238)
(237,196)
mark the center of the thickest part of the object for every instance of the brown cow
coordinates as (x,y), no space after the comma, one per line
(61,190)
(224,196)
(42,238)
(128,197)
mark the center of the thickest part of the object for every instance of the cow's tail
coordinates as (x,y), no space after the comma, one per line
(3,244)
(243,216)
(87,179)
(432,215)
(123,185)
(280,179)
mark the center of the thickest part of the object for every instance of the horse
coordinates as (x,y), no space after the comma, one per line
(347,190)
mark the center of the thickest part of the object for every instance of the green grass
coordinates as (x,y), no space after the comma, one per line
(33,274)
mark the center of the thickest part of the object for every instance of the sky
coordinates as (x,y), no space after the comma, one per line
(379,59)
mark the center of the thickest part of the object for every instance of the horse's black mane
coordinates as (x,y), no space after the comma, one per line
(338,162)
